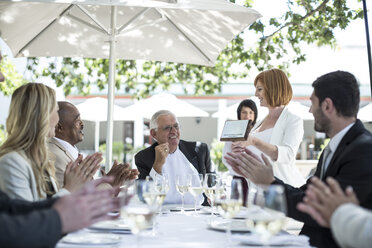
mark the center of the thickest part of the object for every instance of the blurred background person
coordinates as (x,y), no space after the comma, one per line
(247,110)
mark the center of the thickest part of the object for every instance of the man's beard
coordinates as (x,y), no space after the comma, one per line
(321,122)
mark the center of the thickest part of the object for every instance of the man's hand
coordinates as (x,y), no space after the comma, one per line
(86,206)
(161,153)
(121,173)
(249,165)
(81,171)
(321,200)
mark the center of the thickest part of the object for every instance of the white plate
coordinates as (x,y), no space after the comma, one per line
(92,239)
(278,240)
(177,207)
(236,225)
(118,225)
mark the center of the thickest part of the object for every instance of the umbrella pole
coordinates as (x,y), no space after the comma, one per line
(96,136)
(368,44)
(110,105)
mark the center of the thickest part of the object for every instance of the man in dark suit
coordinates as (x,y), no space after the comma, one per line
(347,158)
(164,128)
(42,224)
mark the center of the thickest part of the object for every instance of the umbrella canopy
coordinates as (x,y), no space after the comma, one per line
(365,113)
(185,31)
(95,109)
(296,107)
(192,32)
(147,107)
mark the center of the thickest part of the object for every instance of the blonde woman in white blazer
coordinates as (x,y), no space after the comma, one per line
(280,133)
(26,167)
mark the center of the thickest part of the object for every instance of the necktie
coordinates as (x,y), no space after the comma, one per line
(326,153)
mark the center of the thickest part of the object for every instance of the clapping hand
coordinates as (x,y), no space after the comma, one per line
(121,173)
(249,165)
(87,206)
(81,171)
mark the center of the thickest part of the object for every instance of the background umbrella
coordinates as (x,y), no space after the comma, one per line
(186,31)
(95,110)
(365,113)
(147,107)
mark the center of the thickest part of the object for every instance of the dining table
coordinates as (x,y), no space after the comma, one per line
(176,229)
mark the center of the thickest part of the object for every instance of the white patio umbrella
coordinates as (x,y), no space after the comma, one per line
(147,107)
(95,109)
(365,113)
(185,31)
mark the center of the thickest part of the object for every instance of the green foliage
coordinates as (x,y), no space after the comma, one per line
(216,155)
(117,150)
(12,78)
(278,45)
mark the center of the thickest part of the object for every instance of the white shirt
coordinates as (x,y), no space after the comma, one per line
(351,226)
(71,149)
(177,164)
(334,142)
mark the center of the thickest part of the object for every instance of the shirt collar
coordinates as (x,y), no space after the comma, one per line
(335,141)
(71,149)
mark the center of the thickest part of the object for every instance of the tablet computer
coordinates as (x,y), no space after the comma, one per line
(236,130)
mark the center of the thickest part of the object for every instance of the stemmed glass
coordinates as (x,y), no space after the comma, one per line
(162,188)
(182,187)
(195,187)
(267,208)
(210,184)
(138,214)
(228,203)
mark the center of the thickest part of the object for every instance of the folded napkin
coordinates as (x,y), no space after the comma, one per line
(277,240)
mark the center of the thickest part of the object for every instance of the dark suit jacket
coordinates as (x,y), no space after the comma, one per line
(351,164)
(28,224)
(196,152)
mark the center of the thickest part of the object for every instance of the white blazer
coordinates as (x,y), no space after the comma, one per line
(287,135)
(17,178)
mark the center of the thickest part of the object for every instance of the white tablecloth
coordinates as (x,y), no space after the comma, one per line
(175,230)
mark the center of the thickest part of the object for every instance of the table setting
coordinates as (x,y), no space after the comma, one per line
(145,222)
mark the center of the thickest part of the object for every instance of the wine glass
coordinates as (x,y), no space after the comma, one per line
(182,187)
(162,188)
(138,214)
(267,208)
(228,201)
(195,187)
(210,184)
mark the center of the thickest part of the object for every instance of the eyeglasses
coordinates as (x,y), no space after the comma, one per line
(168,128)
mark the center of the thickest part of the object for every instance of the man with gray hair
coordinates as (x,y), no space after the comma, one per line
(172,156)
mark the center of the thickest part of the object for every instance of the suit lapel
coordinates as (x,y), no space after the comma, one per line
(189,154)
(333,166)
(55,142)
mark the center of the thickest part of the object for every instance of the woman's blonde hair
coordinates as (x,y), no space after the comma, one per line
(28,129)
(278,90)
